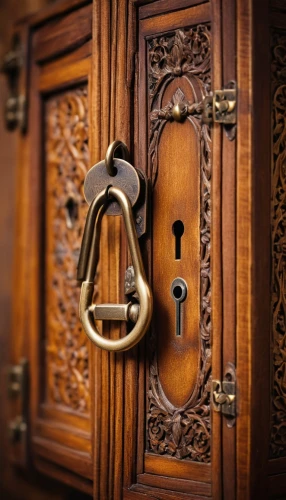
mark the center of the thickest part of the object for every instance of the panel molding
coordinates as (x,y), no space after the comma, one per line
(67,161)
(183,432)
(61,400)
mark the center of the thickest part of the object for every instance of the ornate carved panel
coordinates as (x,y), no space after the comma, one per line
(67,159)
(174,59)
(278,225)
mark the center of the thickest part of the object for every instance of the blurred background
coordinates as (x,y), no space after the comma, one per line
(10,12)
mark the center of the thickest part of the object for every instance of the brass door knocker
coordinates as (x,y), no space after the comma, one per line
(140,311)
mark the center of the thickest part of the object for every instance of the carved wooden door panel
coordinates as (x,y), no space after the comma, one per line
(172,440)
(55,157)
(138,424)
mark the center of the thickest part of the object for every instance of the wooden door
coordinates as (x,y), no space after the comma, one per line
(172,440)
(54,156)
(138,424)
(191,168)
(261,464)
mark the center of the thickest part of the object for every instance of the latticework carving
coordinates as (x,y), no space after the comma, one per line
(278,225)
(183,432)
(67,159)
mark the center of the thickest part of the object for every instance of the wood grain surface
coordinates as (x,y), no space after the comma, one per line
(140,424)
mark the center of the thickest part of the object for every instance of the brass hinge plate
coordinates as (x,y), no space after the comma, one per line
(220,107)
(17,375)
(224,394)
(17,426)
(16,106)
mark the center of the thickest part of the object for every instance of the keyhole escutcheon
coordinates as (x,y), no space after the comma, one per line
(178,293)
(178,231)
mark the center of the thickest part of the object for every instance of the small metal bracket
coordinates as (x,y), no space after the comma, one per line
(17,430)
(221,108)
(17,378)
(15,108)
(18,426)
(129,281)
(224,394)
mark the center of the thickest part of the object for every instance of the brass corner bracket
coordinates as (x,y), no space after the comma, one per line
(15,107)
(18,382)
(224,394)
(220,107)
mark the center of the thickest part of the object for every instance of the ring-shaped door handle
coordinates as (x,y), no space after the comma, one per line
(87,267)
(114,146)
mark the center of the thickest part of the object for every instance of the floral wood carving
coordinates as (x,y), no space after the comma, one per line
(278,225)
(187,53)
(67,158)
(183,432)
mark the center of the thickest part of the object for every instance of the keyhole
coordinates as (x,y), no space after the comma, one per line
(178,231)
(177,292)
(71,212)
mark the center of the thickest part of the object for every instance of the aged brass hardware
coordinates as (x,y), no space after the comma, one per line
(126,179)
(18,427)
(15,108)
(116,312)
(179,293)
(129,281)
(86,272)
(224,103)
(179,112)
(115,146)
(131,180)
(221,108)
(17,430)
(224,394)
(17,379)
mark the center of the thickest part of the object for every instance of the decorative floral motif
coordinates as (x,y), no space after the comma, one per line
(278,221)
(67,158)
(183,432)
(158,119)
(186,52)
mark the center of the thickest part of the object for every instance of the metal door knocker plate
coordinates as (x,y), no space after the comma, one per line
(125,178)
(112,195)
(130,180)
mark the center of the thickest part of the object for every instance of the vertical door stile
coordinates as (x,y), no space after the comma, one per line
(116,401)
(244,245)
(101,473)
(228,248)
(217,264)
(95,151)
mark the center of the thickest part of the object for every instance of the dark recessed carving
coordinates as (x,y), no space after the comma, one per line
(278,226)
(67,160)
